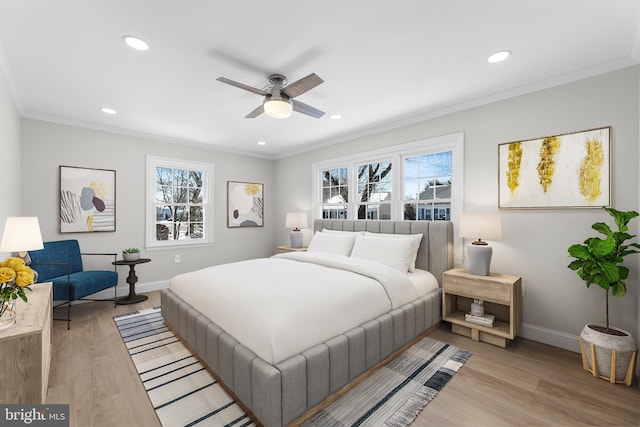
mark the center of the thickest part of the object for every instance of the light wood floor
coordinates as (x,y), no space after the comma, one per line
(526,384)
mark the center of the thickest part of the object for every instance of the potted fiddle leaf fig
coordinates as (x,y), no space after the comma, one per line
(600,261)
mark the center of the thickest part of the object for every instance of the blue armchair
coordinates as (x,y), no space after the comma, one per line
(60,262)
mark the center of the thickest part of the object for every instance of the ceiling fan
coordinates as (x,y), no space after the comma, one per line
(278,99)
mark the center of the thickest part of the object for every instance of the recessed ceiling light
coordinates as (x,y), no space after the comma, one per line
(108,110)
(499,56)
(262,143)
(335,116)
(135,43)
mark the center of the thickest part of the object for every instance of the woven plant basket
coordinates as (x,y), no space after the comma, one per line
(606,356)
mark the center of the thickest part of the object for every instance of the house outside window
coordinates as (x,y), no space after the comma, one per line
(179,208)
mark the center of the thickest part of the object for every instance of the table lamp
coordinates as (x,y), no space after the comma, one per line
(480,225)
(296,221)
(21,234)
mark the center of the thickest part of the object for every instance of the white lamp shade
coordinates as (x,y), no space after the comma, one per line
(21,234)
(278,108)
(481,225)
(296,220)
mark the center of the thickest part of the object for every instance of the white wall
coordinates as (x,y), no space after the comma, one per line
(46,146)
(10,149)
(557,304)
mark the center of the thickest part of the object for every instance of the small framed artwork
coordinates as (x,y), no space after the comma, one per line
(571,170)
(87,200)
(245,204)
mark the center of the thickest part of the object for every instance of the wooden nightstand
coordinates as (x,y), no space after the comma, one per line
(502,296)
(284,249)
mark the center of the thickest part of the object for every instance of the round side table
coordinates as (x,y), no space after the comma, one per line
(132,298)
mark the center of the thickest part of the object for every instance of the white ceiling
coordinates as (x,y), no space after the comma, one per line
(384,62)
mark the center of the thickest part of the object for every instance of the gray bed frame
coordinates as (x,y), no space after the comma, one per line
(278,394)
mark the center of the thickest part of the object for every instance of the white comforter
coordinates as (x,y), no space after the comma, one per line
(281,306)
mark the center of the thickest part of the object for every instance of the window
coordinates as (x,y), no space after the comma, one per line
(335,193)
(179,208)
(374,190)
(427,187)
(416,181)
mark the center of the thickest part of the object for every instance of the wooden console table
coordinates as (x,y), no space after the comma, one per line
(25,349)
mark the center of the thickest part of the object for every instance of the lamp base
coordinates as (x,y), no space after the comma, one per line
(296,239)
(479,259)
(27,261)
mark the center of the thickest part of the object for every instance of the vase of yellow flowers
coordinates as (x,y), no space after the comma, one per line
(15,277)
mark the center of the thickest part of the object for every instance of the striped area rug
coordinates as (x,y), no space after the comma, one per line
(395,394)
(183,392)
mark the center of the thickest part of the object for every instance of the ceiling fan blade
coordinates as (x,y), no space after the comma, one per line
(303,108)
(255,113)
(303,85)
(241,86)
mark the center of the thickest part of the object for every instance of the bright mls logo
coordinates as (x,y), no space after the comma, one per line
(34,415)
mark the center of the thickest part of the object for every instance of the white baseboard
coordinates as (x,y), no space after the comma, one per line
(551,337)
(123,290)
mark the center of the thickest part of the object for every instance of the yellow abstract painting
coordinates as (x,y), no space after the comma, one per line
(560,171)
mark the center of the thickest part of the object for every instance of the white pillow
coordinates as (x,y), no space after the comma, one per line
(333,243)
(395,253)
(416,238)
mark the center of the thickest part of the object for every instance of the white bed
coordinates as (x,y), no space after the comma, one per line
(284,333)
(281,306)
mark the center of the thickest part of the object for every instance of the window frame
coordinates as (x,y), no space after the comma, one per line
(207,169)
(397,154)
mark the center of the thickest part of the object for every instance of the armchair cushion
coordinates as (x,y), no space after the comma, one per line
(82,284)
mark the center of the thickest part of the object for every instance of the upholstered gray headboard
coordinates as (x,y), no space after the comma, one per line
(436,248)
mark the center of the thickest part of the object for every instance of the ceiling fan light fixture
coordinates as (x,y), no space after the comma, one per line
(278,108)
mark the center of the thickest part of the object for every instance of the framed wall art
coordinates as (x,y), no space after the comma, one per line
(245,204)
(87,200)
(571,170)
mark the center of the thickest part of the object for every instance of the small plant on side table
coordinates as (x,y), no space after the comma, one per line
(131,254)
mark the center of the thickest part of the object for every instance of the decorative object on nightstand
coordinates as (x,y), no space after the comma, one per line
(502,297)
(477,308)
(296,221)
(486,319)
(608,353)
(481,225)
